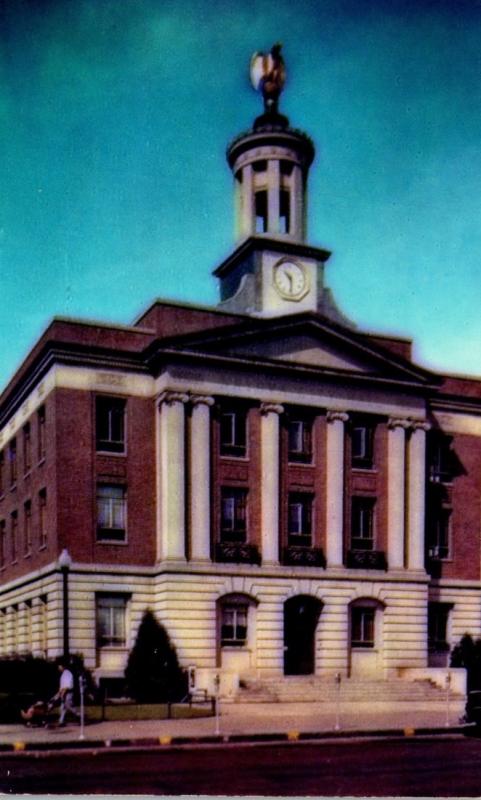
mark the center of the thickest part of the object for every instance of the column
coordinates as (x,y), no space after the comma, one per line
(416,494)
(172,475)
(273,187)
(200,477)
(335,487)
(396,492)
(247,226)
(270,482)
(296,204)
(22,628)
(37,627)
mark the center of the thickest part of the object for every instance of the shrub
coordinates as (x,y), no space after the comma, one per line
(467,654)
(153,673)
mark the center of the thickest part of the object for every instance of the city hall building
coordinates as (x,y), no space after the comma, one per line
(289,494)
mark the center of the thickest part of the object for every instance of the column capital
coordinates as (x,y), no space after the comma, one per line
(170,397)
(399,422)
(421,425)
(337,416)
(271,408)
(201,400)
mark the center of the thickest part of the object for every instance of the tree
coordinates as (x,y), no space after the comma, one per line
(153,673)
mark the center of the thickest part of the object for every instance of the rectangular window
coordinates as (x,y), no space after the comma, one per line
(110,424)
(12,458)
(41,440)
(362,523)
(111,513)
(233,515)
(42,517)
(362,627)
(362,450)
(284,211)
(260,200)
(14,534)
(27,449)
(439,536)
(300,519)
(3,536)
(438,616)
(234,625)
(111,611)
(27,527)
(299,440)
(233,433)
(441,459)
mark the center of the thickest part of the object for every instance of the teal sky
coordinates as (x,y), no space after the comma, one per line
(115,115)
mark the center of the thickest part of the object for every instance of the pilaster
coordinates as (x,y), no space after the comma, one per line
(172,475)
(200,489)
(396,468)
(416,494)
(270,485)
(335,487)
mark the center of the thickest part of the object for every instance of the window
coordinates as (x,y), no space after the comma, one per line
(27,449)
(260,199)
(438,617)
(3,536)
(233,433)
(2,473)
(111,513)
(284,211)
(110,424)
(441,459)
(300,519)
(439,536)
(299,440)
(14,531)
(111,620)
(43,623)
(42,517)
(362,523)
(12,457)
(233,515)
(362,626)
(28,527)
(234,625)
(362,451)
(41,441)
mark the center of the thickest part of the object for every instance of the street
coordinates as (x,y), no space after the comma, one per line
(416,767)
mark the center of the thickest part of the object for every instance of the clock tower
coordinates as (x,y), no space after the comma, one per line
(273,271)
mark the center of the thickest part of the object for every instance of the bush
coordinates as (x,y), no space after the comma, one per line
(467,654)
(153,673)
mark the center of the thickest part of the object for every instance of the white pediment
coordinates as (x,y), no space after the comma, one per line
(304,349)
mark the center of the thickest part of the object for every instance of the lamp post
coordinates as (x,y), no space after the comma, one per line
(65,562)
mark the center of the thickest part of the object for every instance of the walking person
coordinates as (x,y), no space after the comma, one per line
(65,693)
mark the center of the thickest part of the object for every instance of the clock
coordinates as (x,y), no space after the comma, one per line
(290,279)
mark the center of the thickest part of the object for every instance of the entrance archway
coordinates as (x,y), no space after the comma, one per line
(301,615)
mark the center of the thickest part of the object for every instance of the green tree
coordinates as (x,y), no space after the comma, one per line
(467,654)
(153,674)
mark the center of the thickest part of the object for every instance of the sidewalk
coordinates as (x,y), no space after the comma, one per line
(263,721)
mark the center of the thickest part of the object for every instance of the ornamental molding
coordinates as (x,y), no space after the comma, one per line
(337,416)
(170,397)
(421,425)
(271,408)
(399,422)
(201,400)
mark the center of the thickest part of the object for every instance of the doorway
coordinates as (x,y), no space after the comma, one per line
(301,615)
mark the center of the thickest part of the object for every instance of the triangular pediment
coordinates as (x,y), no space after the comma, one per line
(304,341)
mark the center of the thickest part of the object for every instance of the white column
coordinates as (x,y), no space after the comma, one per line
(296,204)
(335,487)
(416,494)
(396,492)
(172,475)
(247,226)
(200,478)
(273,186)
(270,482)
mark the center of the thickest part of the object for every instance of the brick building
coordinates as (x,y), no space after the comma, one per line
(289,494)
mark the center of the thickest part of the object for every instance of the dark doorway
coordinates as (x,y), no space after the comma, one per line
(301,615)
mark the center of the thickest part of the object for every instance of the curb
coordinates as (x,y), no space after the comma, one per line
(165,741)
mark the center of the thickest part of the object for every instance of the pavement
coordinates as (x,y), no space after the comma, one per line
(247,722)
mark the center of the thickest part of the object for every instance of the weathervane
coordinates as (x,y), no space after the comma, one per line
(268,75)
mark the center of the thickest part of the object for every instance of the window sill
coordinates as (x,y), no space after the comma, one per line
(300,463)
(373,470)
(110,453)
(42,547)
(28,555)
(41,461)
(226,457)
(27,474)
(112,541)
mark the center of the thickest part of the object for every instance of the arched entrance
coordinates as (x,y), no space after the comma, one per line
(301,615)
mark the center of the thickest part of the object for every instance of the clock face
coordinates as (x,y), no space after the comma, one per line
(290,280)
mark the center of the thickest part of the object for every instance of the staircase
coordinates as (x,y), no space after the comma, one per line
(313,689)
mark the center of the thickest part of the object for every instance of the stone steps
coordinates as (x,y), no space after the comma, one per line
(317,690)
